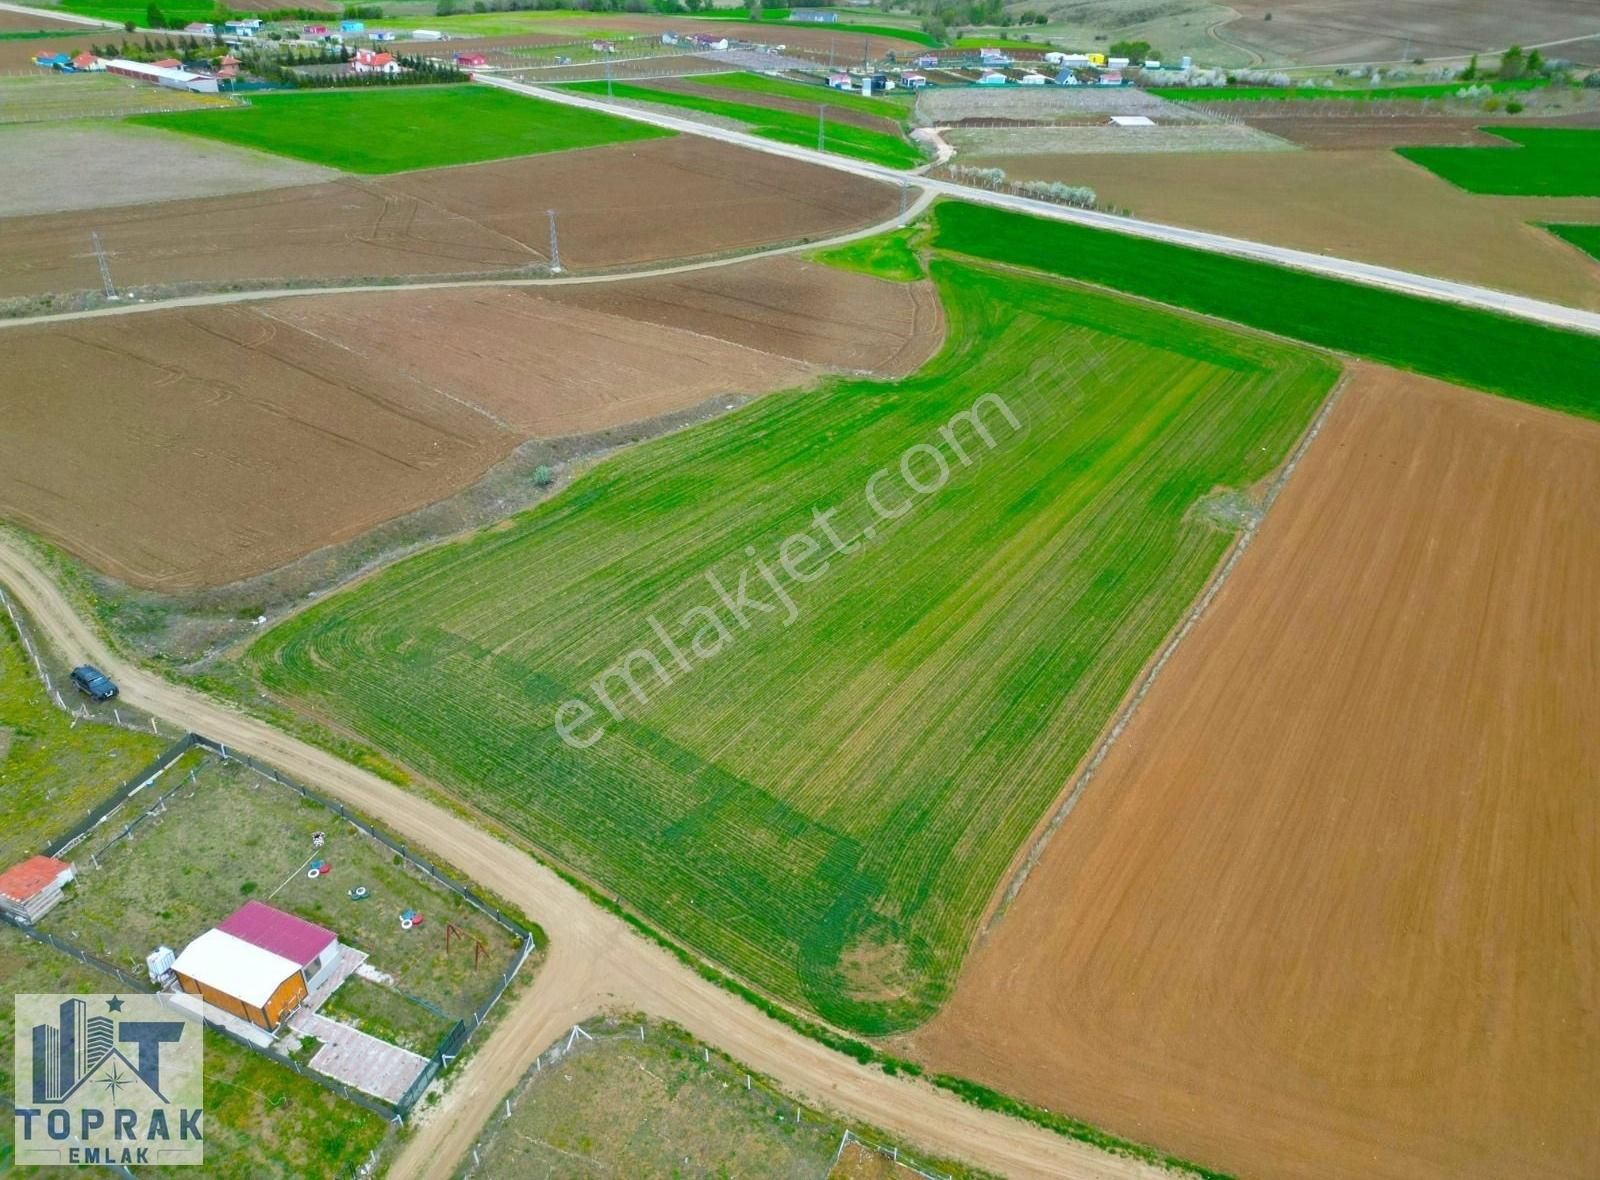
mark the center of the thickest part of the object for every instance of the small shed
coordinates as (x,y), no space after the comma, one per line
(30,890)
(240,978)
(1131,121)
(471,59)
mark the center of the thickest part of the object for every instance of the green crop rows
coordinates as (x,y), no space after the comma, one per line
(846,139)
(1584,237)
(826,807)
(374,130)
(1547,162)
(1521,359)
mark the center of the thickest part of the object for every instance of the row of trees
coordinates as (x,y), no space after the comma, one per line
(1514,64)
(289,67)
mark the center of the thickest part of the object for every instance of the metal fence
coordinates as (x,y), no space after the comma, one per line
(449,1047)
(121,795)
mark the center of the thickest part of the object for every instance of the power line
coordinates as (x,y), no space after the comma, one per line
(105,266)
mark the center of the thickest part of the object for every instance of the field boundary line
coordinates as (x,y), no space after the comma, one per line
(1125,715)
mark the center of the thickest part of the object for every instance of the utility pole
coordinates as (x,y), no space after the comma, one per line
(822,112)
(902,202)
(608,77)
(555,245)
(105,267)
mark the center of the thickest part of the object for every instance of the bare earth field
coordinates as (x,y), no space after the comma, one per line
(1340,32)
(619,205)
(976,145)
(42,165)
(195,447)
(1369,205)
(1327,909)
(22,22)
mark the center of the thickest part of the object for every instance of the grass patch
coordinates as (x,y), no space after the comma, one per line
(894,107)
(1337,94)
(1584,237)
(234,837)
(123,11)
(374,130)
(1546,162)
(387,1014)
(49,97)
(795,811)
(1006,43)
(262,1122)
(887,256)
(843,139)
(667,1098)
(52,773)
(1527,361)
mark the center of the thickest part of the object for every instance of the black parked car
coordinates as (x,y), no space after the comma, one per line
(93,683)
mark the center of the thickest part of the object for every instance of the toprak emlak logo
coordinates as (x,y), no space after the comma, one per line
(109,1079)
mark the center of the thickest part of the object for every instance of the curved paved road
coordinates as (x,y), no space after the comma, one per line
(594,959)
(1366,273)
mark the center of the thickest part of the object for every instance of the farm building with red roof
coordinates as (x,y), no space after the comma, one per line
(30,890)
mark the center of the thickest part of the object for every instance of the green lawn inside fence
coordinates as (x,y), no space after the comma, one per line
(826,807)
(378,130)
(1538,162)
(845,139)
(233,837)
(1518,358)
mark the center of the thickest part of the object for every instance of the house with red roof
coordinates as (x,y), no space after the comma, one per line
(259,963)
(313,949)
(30,890)
(367,61)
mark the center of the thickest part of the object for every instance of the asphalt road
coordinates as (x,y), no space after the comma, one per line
(1365,273)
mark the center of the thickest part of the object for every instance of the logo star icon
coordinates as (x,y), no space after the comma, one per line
(115,1003)
(114,1079)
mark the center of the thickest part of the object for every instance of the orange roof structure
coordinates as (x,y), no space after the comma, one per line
(22,882)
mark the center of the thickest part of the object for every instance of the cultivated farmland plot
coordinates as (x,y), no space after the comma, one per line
(827,806)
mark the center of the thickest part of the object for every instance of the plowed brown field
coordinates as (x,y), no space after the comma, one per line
(1329,907)
(182,449)
(620,205)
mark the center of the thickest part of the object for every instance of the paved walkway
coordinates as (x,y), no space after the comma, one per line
(351,1056)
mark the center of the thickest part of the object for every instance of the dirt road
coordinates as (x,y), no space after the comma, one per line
(594,959)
